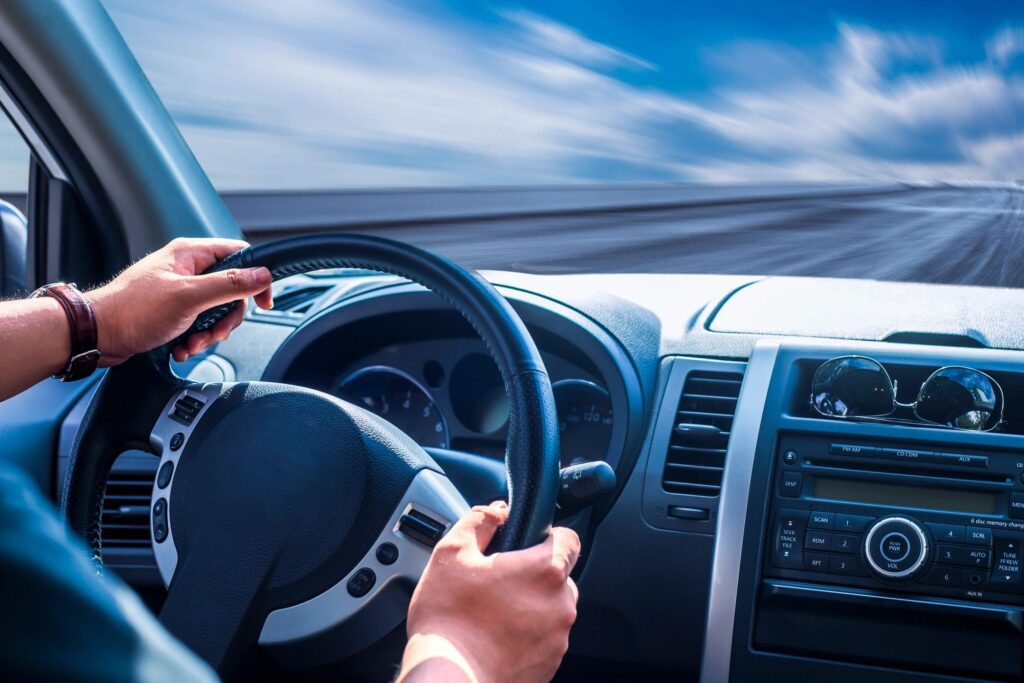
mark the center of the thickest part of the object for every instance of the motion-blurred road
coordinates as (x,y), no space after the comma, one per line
(958,235)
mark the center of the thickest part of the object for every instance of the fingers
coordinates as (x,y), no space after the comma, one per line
(229,322)
(230,285)
(265,299)
(478,526)
(202,253)
(565,548)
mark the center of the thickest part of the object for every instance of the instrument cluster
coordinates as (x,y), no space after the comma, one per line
(450,395)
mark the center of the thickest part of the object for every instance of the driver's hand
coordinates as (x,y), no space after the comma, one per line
(158,297)
(489,618)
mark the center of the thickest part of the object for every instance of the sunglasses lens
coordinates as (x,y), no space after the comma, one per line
(852,387)
(960,398)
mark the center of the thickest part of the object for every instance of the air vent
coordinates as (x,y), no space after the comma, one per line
(696,452)
(125,520)
(298,300)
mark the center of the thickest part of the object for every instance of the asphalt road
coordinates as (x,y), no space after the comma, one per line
(957,235)
(949,234)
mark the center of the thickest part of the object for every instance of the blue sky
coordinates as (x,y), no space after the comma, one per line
(332,93)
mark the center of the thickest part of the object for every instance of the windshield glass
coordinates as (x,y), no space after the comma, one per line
(862,140)
(338,94)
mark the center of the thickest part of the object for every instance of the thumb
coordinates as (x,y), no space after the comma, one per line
(229,285)
(478,526)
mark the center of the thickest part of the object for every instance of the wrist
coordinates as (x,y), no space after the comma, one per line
(107,338)
(455,649)
(434,657)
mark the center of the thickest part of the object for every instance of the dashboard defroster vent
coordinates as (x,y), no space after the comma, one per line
(125,518)
(298,300)
(697,447)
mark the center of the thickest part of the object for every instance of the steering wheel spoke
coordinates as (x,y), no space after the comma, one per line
(168,438)
(394,564)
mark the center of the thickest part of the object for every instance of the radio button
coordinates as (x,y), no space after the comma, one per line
(896,548)
(977,557)
(949,533)
(1006,569)
(821,520)
(1017,505)
(950,577)
(849,449)
(951,554)
(852,522)
(845,543)
(979,535)
(848,565)
(790,484)
(962,460)
(818,540)
(908,455)
(816,562)
(788,550)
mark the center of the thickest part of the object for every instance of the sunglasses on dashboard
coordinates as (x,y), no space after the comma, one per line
(860,387)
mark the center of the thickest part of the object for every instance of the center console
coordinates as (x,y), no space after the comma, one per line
(867,550)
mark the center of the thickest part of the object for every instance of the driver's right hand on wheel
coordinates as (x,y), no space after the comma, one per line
(490,618)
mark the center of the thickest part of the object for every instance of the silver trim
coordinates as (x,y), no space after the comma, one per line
(406,376)
(165,428)
(732,513)
(31,136)
(430,492)
(917,563)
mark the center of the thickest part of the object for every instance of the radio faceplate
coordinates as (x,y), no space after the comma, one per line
(897,517)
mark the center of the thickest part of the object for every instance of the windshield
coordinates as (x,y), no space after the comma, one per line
(337,94)
(865,140)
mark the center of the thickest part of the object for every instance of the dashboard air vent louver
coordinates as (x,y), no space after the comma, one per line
(125,517)
(696,451)
(298,300)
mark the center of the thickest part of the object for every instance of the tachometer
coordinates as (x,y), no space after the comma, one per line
(399,399)
(584,420)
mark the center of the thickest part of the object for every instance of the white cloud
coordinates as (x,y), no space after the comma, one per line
(567,42)
(314,93)
(1005,45)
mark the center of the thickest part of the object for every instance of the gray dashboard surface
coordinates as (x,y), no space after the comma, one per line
(873,311)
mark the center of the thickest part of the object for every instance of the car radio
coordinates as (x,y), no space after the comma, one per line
(939,522)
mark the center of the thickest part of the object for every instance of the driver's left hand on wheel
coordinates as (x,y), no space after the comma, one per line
(157,298)
(491,618)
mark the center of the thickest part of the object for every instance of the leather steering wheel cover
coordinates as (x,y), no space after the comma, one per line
(532,455)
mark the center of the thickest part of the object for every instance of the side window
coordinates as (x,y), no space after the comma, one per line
(14,174)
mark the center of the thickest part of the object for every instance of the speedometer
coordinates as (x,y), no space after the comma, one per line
(584,420)
(399,399)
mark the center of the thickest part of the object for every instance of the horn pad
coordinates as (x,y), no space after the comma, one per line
(280,491)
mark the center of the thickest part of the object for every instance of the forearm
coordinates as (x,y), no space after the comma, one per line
(35,342)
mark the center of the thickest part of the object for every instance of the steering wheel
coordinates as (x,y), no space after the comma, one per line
(286,516)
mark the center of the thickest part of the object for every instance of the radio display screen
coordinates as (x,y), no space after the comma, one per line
(905,496)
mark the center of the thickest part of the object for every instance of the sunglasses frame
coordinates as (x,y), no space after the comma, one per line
(886,417)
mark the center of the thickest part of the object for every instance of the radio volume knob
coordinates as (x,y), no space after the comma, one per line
(896,548)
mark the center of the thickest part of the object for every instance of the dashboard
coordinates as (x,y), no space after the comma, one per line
(744,540)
